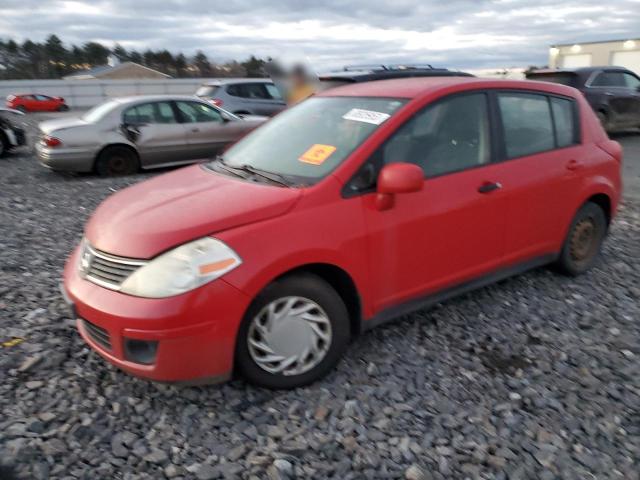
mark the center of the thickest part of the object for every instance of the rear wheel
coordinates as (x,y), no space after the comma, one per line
(21,108)
(293,334)
(584,240)
(116,160)
(63,108)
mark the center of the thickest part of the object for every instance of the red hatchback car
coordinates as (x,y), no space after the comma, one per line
(36,103)
(358,205)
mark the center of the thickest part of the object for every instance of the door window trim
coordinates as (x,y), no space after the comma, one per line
(347,192)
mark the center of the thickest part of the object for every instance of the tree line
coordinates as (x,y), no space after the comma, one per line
(53,60)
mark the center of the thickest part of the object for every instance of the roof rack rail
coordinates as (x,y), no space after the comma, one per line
(350,68)
(400,66)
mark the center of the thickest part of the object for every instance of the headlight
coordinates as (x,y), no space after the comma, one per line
(182,269)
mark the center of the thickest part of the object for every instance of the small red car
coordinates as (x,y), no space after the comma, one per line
(33,102)
(356,206)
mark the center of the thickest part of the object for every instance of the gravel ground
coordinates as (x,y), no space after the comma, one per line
(535,377)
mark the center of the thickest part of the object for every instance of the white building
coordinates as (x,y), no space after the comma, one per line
(620,53)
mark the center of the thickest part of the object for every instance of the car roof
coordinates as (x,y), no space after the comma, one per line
(421,86)
(227,81)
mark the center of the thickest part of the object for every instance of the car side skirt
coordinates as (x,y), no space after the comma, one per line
(433,299)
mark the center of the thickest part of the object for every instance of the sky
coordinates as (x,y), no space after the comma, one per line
(332,33)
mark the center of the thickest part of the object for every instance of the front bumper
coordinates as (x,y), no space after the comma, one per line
(65,159)
(195,332)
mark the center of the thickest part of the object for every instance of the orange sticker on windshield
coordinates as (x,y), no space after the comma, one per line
(317,154)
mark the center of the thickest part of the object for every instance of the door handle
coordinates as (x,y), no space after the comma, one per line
(573,164)
(195,129)
(488,187)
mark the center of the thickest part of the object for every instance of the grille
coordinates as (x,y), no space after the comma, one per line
(98,334)
(107,270)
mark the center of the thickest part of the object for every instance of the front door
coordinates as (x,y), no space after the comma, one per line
(154,130)
(453,230)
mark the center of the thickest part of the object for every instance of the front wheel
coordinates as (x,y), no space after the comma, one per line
(63,108)
(293,334)
(584,240)
(116,160)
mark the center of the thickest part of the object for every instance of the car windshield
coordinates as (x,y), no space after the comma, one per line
(308,141)
(98,112)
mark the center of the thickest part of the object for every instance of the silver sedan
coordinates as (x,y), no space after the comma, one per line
(123,135)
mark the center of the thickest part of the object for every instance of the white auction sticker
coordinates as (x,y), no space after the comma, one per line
(367,116)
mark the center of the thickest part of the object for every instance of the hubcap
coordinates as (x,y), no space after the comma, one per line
(583,240)
(117,165)
(289,336)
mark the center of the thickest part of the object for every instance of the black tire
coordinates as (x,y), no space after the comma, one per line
(584,240)
(117,160)
(4,145)
(21,108)
(310,287)
(63,108)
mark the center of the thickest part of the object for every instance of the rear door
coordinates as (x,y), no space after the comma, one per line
(542,150)
(156,133)
(207,131)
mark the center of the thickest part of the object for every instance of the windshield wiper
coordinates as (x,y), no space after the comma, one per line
(219,161)
(274,177)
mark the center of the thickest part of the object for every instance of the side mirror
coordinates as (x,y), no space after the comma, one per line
(397,178)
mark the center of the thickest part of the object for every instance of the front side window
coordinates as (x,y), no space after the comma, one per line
(609,79)
(527,124)
(448,136)
(631,81)
(194,112)
(149,113)
(311,139)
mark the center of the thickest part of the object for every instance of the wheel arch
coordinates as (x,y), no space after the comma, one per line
(341,281)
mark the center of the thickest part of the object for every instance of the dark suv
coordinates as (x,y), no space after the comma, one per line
(613,92)
(368,73)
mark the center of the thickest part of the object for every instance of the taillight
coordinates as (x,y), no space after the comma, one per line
(51,141)
(216,101)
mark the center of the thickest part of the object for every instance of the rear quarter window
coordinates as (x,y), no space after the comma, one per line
(564,117)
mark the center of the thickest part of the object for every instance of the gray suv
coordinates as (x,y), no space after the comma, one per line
(244,96)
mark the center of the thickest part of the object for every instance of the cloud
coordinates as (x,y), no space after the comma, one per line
(455,33)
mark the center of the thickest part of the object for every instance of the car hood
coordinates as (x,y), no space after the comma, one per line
(58,124)
(153,216)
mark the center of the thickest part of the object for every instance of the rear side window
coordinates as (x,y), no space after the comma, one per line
(527,124)
(564,119)
(249,90)
(158,112)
